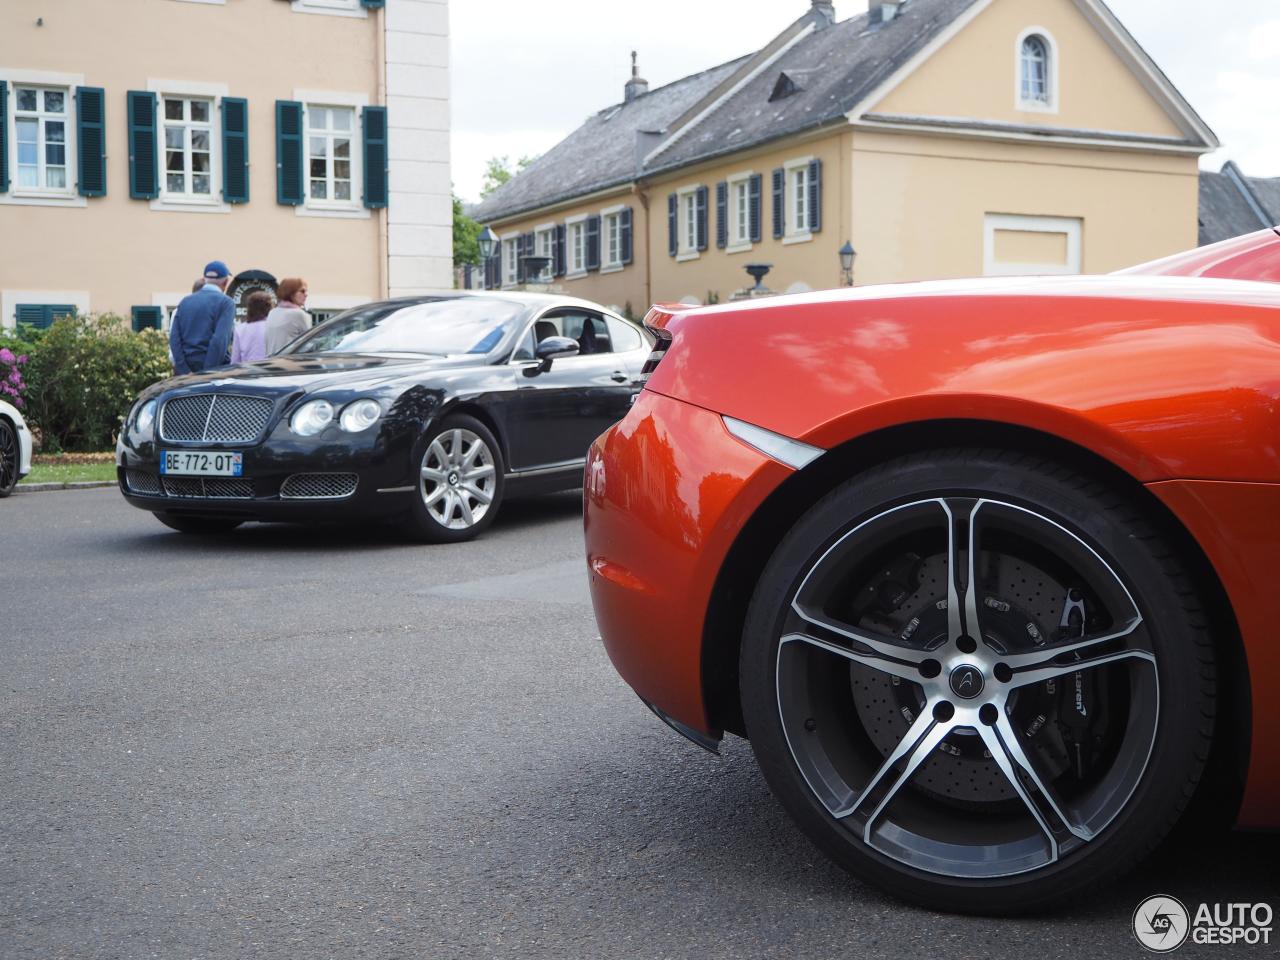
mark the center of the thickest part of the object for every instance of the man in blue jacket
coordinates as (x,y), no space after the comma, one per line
(204,323)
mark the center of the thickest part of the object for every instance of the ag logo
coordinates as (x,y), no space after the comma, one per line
(1161,923)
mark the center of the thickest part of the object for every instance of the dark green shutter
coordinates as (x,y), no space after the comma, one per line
(700,210)
(147,318)
(779,202)
(557,251)
(673,238)
(4,137)
(722,215)
(289,152)
(42,315)
(757,183)
(91,141)
(375,156)
(593,243)
(373,4)
(144,174)
(624,230)
(815,195)
(235,150)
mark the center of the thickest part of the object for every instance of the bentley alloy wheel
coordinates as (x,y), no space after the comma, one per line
(8,459)
(967,688)
(459,480)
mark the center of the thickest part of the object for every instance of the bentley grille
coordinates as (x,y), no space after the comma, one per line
(215,417)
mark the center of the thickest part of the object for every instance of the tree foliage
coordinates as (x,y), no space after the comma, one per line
(466,232)
(499,170)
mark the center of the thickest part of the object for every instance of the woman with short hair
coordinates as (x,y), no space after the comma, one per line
(250,341)
(288,321)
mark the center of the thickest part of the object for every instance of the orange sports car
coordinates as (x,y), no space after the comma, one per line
(983,569)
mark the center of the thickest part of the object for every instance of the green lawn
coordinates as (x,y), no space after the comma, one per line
(70,472)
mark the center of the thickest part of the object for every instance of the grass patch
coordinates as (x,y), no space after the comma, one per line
(70,472)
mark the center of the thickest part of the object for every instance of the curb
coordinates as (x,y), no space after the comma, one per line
(76,485)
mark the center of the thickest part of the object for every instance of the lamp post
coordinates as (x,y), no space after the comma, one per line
(847,256)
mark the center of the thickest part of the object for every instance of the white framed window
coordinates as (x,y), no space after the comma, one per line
(43,134)
(41,138)
(189,141)
(1036,71)
(611,239)
(510,260)
(687,223)
(544,245)
(331,156)
(739,212)
(1023,246)
(796,225)
(575,246)
(337,8)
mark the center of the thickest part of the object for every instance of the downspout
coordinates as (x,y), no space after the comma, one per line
(643,194)
(380,65)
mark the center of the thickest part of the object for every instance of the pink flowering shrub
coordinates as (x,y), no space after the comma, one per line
(12,386)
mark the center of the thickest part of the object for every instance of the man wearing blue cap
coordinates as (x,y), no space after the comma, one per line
(204,323)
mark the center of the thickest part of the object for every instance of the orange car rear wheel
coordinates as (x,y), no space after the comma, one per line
(979,680)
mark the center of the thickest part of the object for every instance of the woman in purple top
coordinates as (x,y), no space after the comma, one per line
(251,336)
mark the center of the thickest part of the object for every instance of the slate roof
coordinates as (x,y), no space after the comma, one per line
(1232,204)
(839,65)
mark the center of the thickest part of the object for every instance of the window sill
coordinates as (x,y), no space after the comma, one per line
(797,238)
(301,6)
(1035,106)
(613,268)
(740,248)
(577,275)
(688,255)
(44,199)
(176,205)
(338,213)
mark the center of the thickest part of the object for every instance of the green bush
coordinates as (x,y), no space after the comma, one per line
(84,374)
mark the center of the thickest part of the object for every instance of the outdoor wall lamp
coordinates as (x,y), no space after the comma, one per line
(847,256)
(487,241)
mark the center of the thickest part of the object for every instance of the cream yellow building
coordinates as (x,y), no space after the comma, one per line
(140,139)
(940,138)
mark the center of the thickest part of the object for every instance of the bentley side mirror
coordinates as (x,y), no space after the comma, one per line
(552,348)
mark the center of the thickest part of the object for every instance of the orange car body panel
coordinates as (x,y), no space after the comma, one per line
(1173,378)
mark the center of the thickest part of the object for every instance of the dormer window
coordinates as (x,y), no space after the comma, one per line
(1037,72)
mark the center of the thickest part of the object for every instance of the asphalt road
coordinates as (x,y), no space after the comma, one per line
(312,743)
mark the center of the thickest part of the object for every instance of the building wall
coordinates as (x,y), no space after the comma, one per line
(1096,90)
(615,289)
(811,264)
(920,203)
(116,252)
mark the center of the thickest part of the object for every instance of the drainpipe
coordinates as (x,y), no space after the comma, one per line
(642,194)
(380,65)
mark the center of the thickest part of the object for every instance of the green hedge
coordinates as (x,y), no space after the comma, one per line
(83,374)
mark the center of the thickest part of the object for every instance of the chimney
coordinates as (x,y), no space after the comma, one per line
(827,9)
(635,86)
(882,11)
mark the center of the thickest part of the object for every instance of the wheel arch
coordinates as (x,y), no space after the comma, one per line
(477,411)
(746,559)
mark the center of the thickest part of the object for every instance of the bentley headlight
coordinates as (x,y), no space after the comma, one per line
(311,418)
(146,417)
(360,415)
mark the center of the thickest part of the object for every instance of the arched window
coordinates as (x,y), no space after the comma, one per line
(1035,70)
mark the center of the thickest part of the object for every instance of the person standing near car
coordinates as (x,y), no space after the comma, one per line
(204,323)
(288,321)
(251,336)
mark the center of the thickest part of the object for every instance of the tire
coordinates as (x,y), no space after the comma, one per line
(979,774)
(198,525)
(9,454)
(460,481)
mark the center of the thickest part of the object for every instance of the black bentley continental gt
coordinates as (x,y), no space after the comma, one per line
(428,409)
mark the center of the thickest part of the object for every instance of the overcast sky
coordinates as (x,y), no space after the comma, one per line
(528,72)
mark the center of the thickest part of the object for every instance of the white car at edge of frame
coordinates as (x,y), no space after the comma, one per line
(15,448)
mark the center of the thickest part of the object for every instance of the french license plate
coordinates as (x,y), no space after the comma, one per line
(194,463)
